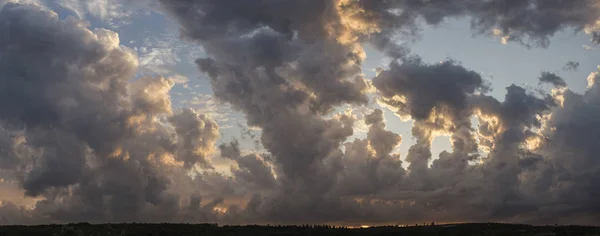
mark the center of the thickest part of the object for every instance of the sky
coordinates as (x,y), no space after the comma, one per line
(344,112)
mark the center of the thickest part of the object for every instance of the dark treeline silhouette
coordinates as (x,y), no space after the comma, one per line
(493,229)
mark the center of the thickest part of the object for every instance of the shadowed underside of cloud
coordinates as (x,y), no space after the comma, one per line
(80,134)
(95,144)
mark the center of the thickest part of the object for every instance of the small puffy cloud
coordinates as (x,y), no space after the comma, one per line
(571,66)
(551,78)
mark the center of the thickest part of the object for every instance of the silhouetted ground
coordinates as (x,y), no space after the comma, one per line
(486,229)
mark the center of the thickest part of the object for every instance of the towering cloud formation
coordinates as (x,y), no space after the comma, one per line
(80,131)
(77,132)
(436,97)
(569,180)
(285,64)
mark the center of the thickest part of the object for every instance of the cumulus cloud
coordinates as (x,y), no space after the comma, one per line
(86,138)
(418,89)
(286,64)
(436,97)
(197,136)
(93,143)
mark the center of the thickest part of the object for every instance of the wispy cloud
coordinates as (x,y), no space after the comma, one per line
(114,12)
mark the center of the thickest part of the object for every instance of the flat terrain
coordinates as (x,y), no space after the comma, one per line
(84,229)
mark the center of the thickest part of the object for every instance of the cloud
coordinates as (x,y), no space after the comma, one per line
(416,89)
(79,131)
(197,134)
(113,12)
(92,143)
(35,2)
(282,84)
(551,78)
(571,66)
(565,181)
(211,107)
(287,65)
(252,168)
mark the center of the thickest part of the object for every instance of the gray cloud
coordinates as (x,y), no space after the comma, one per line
(528,22)
(436,97)
(251,168)
(564,182)
(79,134)
(571,66)
(284,69)
(416,88)
(94,143)
(534,20)
(197,134)
(287,88)
(551,78)
(57,101)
